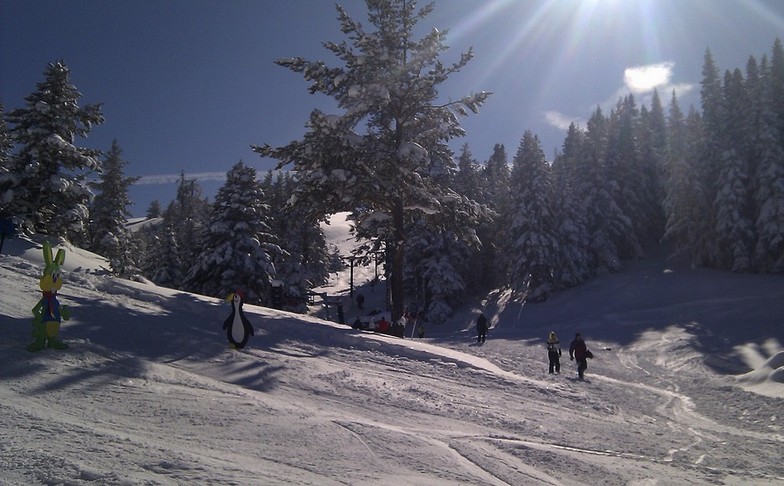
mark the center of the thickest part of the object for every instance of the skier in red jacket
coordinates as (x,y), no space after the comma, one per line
(579,351)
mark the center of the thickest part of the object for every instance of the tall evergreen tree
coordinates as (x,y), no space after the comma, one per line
(6,144)
(606,222)
(533,247)
(378,156)
(469,183)
(109,213)
(468,180)
(492,232)
(734,226)
(160,258)
(573,264)
(51,193)
(496,176)
(7,177)
(305,261)
(751,125)
(435,267)
(686,194)
(187,216)
(439,263)
(237,249)
(676,226)
(154,209)
(768,153)
(653,143)
(625,176)
(708,163)
(776,86)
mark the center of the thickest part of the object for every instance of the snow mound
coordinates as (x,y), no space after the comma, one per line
(29,248)
(770,372)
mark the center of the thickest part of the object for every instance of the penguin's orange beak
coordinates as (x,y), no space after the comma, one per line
(230,297)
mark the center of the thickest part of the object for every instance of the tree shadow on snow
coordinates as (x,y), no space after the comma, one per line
(715,312)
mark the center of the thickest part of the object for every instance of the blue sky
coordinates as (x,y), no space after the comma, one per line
(190,85)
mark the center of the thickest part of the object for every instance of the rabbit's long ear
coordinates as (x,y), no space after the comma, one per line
(60,259)
(47,253)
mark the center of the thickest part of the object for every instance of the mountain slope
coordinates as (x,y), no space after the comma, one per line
(150,393)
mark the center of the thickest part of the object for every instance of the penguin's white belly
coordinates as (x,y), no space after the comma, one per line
(237,330)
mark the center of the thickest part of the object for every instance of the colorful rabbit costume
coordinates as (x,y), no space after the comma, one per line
(48,313)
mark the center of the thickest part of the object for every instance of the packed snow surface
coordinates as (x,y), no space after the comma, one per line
(686,387)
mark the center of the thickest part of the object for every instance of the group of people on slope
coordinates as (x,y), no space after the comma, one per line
(578,351)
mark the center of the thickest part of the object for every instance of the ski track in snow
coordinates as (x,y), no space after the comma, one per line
(675,408)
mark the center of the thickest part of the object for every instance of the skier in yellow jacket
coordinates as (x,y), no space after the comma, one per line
(554,353)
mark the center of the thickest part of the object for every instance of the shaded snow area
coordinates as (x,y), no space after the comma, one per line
(686,387)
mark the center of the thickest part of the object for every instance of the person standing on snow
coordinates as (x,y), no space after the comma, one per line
(579,351)
(481,328)
(554,353)
(361,300)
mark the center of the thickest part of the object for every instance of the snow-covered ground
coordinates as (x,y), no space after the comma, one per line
(687,387)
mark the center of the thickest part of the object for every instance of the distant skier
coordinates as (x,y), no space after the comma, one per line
(361,300)
(554,353)
(481,328)
(579,351)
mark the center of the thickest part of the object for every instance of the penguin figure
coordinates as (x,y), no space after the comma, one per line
(238,327)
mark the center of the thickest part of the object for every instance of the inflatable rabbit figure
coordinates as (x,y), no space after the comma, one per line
(48,313)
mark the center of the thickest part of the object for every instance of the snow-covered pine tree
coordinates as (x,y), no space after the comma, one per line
(653,148)
(676,175)
(707,164)
(573,261)
(468,181)
(533,248)
(754,112)
(491,231)
(50,194)
(605,221)
(154,210)
(6,144)
(734,227)
(777,86)
(685,189)
(187,216)
(7,177)
(625,175)
(109,213)
(470,184)
(435,266)
(496,176)
(376,157)
(440,265)
(305,261)
(160,255)
(236,248)
(768,153)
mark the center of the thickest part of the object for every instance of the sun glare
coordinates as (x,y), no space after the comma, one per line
(542,45)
